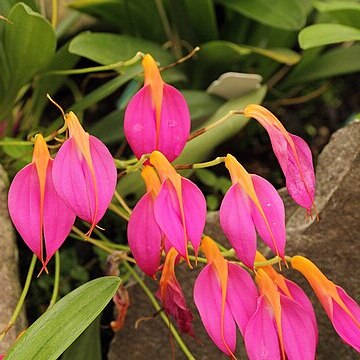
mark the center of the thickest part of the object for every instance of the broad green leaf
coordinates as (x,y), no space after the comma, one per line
(332,63)
(325,34)
(202,18)
(281,55)
(137,18)
(110,128)
(281,14)
(49,84)
(201,147)
(17,149)
(201,104)
(215,52)
(87,346)
(29,44)
(106,48)
(346,12)
(50,335)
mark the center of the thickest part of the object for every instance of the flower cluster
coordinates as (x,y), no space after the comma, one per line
(273,314)
(80,181)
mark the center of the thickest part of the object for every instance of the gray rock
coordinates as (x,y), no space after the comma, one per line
(333,244)
(9,279)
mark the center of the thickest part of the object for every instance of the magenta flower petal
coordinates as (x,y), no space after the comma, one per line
(237,224)
(299,335)
(241,296)
(168,216)
(42,219)
(261,339)
(58,218)
(157,117)
(272,231)
(301,298)
(74,183)
(194,212)
(25,190)
(140,123)
(207,297)
(144,235)
(174,123)
(348,327)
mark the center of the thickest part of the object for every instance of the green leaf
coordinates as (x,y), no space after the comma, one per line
(325,34)
(106,49)
(50,335)
(346,12)
(201,147)
(49,84)
(201,104)
(22,151)
(281,14)
(137,18)
(202,18)
(29,44)
(332,63)
(281,55)
(87,346)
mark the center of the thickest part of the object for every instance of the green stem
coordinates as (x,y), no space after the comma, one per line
(55,293)
(269,262)
(117,211)
(122,202)
(54,15)
(92,69)
(217,161)
(157,307)
(21,299)
(16,143)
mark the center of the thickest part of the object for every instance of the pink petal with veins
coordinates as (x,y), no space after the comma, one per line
(299,335)
(347,327)
(261,339)
(301,298)
(168,216)
(299,175)
(174,123)
(140,123)
(207,297)
(25,190)
(144,235)
(241,296)
(74,183)
(272,231)
(237,224)
(58,218)
(194,211)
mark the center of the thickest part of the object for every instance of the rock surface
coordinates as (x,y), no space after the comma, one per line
(9,279)
(333,244)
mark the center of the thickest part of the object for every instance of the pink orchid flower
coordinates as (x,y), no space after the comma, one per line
(251,203)
(225,297)
(157,117)
(144,234)
(38,213)
(180,207)
(84,173)
(172,296)
(293,155)
(284,324)
(341,309)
